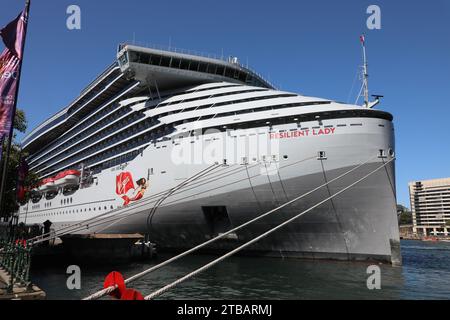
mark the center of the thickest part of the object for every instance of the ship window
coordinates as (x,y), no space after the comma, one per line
(229,72)
(155,60)
(184,64)
(165,61)
(193,66)
(176,63)
(220,70)
(134,57)
(202,67)
(212,68)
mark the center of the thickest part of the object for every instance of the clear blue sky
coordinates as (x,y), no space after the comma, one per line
(308,47)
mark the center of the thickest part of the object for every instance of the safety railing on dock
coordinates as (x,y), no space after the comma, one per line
(15,259)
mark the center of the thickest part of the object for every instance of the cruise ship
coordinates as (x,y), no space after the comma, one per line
(184,147)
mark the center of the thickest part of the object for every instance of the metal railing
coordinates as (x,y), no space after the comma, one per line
(15,259)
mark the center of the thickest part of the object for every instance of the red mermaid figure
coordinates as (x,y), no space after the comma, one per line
(126,189)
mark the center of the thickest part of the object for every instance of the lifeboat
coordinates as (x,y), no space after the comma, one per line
(47,185)
(67,178)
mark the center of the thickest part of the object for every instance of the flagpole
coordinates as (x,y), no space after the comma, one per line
(10,137)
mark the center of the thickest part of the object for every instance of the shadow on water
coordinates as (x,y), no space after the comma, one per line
(425,274)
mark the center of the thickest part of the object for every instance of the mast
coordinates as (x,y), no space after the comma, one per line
(365,72)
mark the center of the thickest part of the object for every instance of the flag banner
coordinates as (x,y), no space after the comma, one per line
(13,36)
(362,38)
(21,176)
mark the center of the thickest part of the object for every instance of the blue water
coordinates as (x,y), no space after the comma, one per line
(425,274)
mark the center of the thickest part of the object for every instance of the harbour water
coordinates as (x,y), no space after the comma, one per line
(425,274)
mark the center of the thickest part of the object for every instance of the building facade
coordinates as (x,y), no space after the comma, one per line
(430,206)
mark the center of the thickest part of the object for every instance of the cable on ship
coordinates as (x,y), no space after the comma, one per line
(245,245)
(100,219)
(335,211)
(110,289)
(65,230)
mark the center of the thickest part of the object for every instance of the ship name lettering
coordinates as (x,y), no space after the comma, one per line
(302,133)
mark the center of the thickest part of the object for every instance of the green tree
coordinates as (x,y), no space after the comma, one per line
(10,204)
(404,215)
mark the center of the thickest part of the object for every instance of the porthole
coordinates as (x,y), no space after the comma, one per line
(285,157)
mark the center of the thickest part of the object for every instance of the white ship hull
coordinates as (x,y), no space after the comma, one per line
(359,224)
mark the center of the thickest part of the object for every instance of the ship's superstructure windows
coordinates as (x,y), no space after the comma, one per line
(114,134)
(232,71)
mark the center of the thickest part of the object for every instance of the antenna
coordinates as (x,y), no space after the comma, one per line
(365,71)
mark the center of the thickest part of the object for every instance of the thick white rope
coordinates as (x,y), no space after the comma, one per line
(108,290)
(245,245)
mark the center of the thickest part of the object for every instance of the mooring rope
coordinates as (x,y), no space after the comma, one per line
(265,234)
(110,289)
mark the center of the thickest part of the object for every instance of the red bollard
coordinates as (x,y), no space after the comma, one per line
(112,279)
(131,294)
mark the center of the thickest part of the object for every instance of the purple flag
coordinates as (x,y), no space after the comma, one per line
(13,36)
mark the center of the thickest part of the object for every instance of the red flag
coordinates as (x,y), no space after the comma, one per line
(13,36)
(363,39)
(21,176)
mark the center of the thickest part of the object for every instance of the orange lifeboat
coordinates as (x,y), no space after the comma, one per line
(67,178)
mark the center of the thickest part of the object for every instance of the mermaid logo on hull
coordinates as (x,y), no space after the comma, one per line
(126,188)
